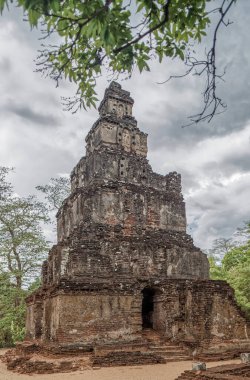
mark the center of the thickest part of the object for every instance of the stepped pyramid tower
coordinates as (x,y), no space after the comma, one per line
(124,264)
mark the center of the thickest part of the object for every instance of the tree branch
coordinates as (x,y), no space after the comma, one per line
(149,31)
(207,67)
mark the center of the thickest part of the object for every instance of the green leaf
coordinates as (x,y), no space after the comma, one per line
(33,17)
(92,35)
(2,4)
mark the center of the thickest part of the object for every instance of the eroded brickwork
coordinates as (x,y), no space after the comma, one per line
(123,260)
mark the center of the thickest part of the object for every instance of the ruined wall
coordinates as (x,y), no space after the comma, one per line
(123,205)
(196,313)
(203,312)
(111,165)
(34,319)
(87,317)
(97,317)
(102,254)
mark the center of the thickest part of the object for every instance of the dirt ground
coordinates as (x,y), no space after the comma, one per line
(149,372)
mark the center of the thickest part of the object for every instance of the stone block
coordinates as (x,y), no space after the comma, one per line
(199,366)
(245,357)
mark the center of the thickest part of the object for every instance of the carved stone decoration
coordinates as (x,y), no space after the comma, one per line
(124,264)
(126,140)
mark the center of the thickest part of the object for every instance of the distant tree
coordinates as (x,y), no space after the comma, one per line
(232,264)
(5,187)
(237,256)
(216,270)
(244,231)
(22,250)
(56,191)
(237,267)
(119,35)
(12,311)
(220,247)
(22,244)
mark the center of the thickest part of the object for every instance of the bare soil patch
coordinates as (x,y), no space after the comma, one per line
(168,371)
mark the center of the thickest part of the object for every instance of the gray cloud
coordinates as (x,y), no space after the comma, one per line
(237,163)
(214,158)
(33,117)
(217,211)
(5,65)
(165,114)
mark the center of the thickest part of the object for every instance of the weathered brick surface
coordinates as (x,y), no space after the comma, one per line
(123,230)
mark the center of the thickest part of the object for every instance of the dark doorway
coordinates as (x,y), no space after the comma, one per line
(147,308)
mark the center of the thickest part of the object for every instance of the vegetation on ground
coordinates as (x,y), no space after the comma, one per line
(230,261)
(23,248)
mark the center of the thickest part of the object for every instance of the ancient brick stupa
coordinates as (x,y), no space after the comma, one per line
(124,271)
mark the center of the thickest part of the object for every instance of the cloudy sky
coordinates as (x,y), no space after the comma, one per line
(41,141)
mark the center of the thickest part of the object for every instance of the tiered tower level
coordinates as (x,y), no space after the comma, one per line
(123,261)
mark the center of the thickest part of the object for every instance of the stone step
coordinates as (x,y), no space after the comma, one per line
(155,340)
(133,346)
(167,348)
(170,354)
(177,358)
(127,358)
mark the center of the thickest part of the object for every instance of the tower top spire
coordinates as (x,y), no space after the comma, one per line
(116,101)
(116,128)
